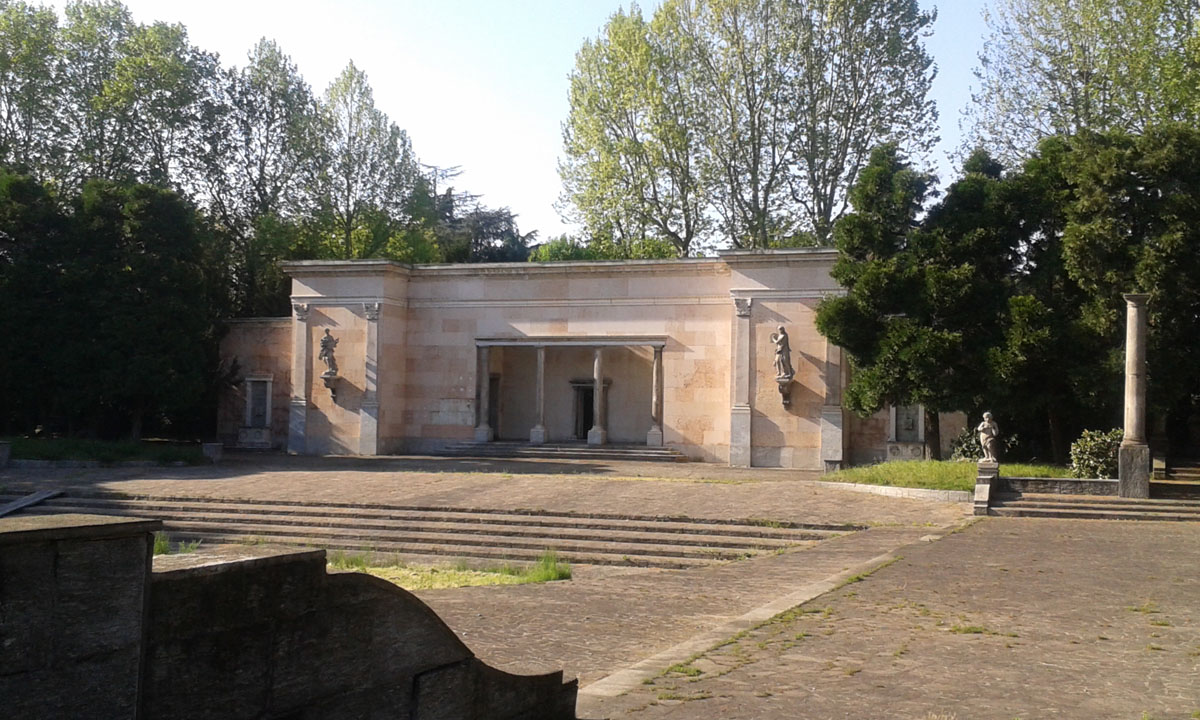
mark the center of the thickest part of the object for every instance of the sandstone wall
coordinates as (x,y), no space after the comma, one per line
(262,348)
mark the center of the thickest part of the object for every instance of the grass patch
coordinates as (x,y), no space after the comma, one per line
(1147,608)
(161,452)
(935,475)
(433,577)
(164,546)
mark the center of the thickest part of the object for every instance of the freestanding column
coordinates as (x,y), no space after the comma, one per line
(598,435)
(1134,470)
(298,407)
(739,413)
(654,438)
(368,415)
(537,436)
(483,431)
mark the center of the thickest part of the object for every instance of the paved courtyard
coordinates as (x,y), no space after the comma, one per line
(922,615)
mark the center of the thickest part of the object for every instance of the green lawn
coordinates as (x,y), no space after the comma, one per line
(159,451)
(935,475)
(434,577)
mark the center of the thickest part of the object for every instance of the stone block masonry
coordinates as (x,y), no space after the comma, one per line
(251,632)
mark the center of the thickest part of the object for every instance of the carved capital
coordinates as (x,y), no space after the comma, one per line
(372,311)
(742,306)
(301,310)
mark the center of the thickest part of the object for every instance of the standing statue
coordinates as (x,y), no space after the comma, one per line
(328,343)
(988,434)
(783,354)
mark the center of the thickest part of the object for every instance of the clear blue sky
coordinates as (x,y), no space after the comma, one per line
(483,83)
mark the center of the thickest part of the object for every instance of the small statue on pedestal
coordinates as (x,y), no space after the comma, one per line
(989,433)
(328,343)
(783,365)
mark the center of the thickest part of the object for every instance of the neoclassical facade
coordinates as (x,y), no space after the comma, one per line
(656,352)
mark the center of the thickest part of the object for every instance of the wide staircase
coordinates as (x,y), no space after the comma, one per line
(1094,507)
(448,533)
(564,451)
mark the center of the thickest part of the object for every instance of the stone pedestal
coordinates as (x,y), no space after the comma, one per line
(654,437)
(739,436)
(988,472)
(1134,470)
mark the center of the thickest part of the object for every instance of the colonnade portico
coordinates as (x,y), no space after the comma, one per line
(599,432)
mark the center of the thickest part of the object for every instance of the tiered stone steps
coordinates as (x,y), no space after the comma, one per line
(1094,507)
(494,535)
(564,451)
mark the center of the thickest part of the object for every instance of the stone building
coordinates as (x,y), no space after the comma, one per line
(657,352)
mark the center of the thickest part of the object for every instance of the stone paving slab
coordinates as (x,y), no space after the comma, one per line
(699,490)
(605,620)
(1010,618)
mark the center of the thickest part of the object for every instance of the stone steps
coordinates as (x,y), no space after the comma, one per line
(458,532)
(1095,507)
(564,451)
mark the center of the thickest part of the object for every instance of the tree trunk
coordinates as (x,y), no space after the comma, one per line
(1058,448)
(933,435)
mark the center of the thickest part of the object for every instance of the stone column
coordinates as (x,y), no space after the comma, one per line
(1134,470)
(298,406)
(368,414)
(654,437)
(537,436)
(739,413)
(483,375)
(598,435)
(832,439)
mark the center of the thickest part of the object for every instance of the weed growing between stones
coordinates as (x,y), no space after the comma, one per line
(548,568)
(163,545)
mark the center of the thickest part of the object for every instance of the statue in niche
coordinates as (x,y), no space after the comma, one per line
(328,343)
(989,433)
(783,355)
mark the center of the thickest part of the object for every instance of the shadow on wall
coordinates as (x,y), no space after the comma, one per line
(254,633)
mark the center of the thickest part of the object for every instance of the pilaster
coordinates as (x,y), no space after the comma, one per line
(298,405)
(368,416)
(739,413)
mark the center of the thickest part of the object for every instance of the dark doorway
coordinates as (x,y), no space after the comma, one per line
(584,409)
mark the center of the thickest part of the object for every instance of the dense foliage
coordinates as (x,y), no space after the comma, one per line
(1005,294)
(740,121)
(1095,454)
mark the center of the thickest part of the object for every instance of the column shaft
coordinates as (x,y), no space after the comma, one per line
(1134,456)
(739,413)
(537,436)
(368,416)
(654,438)
(598,435)
(483,431)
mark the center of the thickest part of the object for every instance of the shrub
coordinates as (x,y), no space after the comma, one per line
(965,446)
(1094,454)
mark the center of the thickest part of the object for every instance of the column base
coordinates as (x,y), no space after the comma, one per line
(597,436)
(654,437)
(739,436)
(368,429)
(537,435)
(297,420)
(1133,462)
(484,433)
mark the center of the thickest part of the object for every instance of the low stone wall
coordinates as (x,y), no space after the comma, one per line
(251,633)
(1056,486)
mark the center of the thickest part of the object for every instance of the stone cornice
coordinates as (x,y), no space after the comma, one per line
(573,341)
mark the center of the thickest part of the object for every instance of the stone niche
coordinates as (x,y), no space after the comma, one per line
(253,632)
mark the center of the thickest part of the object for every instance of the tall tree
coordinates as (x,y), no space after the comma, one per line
(165,90)
(1059,67)
(254,168)
(96,135)
(743,121)
(632,164)
(29,92)
(368,168)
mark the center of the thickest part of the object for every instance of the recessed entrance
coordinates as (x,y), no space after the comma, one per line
(585,406)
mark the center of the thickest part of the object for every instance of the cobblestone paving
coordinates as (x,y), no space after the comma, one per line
(1010,618)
